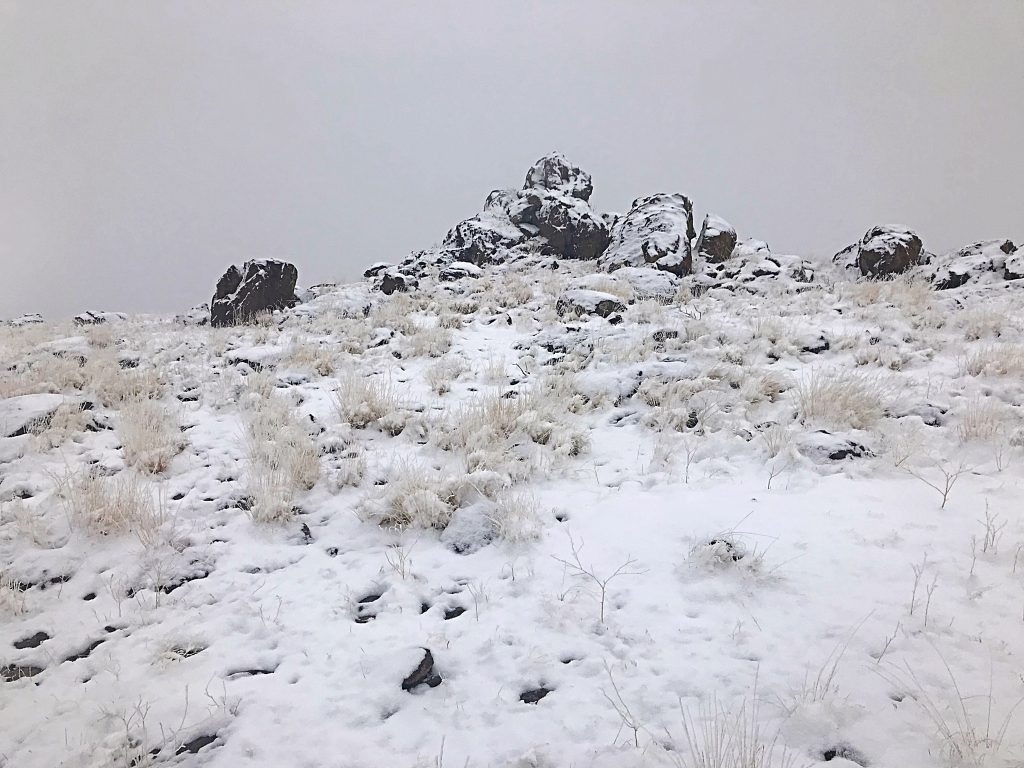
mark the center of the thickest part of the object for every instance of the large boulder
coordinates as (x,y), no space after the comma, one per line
(656,232)
(888,250)
(568,224)
(717,240)
(555,173)
(259,286)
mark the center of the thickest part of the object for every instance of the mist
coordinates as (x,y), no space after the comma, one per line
(146,146)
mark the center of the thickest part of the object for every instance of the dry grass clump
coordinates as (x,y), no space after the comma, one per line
(415,496)
(993,360)
(316,357)
(842,399)
(443,373)
(430,342)
(283,459)
(112,505)
(150,435)
(984,419)
(362,401)
(114,385)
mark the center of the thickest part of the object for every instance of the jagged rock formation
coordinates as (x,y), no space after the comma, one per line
(259,286)
(888,250)
(656,232)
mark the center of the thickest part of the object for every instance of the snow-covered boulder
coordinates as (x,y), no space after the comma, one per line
(580,301)
(555,173)
(18,415)
(649,283)
(847,258)
(980,261)
(751,262)
(888,250)
(263,285)
(1014,267)
(656,232)
(717,240)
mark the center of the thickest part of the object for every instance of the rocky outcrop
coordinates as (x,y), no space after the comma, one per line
(259,286)
(550,214)
(717,240)
(656,232)
(885,251)
(979,261)
(751,261)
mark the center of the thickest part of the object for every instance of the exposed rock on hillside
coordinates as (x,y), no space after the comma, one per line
(888,250)
(717,240)
(259,286)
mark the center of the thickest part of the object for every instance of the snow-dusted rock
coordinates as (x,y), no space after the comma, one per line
(263,285)
(980,261)
(649,283)
(33,318)
(19,414)
(717,240)
(97,318)
(847,258)
(568,224)
(888,250)
(471,528)
(656,232)
(458,270)
(257,358)
(555,173)
(483,238)
(580,301)
(1014,267)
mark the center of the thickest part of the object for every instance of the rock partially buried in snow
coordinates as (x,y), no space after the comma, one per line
(97,318)
(717,240)
(458,270)
(393,281)
(260,286)
(656,232)
(19,415)
(423,674)
(888,250)
(580,301)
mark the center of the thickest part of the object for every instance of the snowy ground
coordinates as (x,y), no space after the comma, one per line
(238,553)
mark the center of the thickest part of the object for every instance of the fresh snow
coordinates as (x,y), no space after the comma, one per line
(836,602)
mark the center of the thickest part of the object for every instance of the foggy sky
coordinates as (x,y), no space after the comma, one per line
(146,145)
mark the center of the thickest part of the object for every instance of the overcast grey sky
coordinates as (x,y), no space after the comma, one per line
(146,145)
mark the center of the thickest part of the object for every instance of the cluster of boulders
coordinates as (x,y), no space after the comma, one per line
(888,251)
(551,218)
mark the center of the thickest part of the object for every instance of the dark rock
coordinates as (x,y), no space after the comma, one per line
(393,281)
(33,641)
(12,672)
(194,745)
(260,286)
(888,250)
(717,240)
(453,613)
(847,258)
(657,232)
(424,674)
(534,695)
(375,269)
(482,239)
